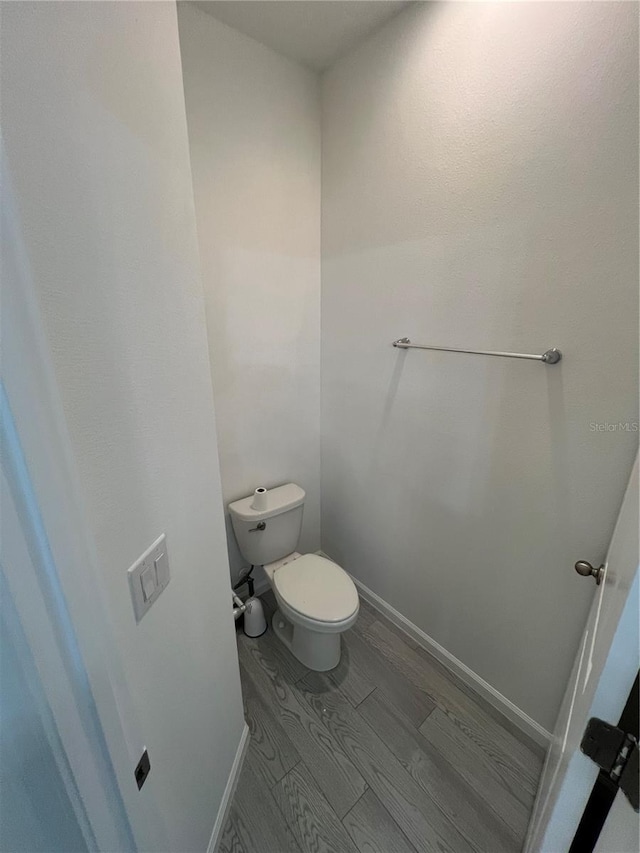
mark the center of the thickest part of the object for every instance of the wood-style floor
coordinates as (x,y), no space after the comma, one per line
(388,753)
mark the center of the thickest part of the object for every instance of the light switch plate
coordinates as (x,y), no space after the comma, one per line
(148,576)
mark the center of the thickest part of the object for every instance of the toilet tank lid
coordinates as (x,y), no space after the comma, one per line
(279,500)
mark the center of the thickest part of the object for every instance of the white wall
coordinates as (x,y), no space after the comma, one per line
(96,143)
(254,132)
(480,189)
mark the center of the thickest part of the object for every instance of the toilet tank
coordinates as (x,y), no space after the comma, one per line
(268,534)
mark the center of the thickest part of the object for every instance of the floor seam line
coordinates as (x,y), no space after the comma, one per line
(344,817)
(273,784)
(427,717)
(364,699)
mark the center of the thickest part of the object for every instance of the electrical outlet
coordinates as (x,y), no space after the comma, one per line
(142,769)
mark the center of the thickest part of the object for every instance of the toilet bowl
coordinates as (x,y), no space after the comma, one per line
(317,600)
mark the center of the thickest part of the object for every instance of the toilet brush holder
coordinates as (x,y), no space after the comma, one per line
(255,623)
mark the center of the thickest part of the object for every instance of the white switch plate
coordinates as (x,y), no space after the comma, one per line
(154,563)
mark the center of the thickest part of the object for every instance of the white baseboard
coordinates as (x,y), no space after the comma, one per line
(229,791)
(517,716)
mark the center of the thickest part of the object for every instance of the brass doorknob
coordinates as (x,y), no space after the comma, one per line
(585,569)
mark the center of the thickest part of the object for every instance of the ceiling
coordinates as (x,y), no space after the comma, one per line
(312,32)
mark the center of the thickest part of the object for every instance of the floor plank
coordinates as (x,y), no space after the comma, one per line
(230,840)
(289,667)
(273,752)
(477,769)
(368,614)
(451,793)
(349,676)
(522,738)
(373,829)
(414,702)
(309,816)
(411,807)
(335,774)
(519,766)
(258,822)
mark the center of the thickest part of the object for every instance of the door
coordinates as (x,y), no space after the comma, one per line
(69,733)
(603,674)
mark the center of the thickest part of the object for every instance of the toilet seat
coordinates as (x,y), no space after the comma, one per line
(314,588)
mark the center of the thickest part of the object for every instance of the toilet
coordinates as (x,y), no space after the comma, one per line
(317,600)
